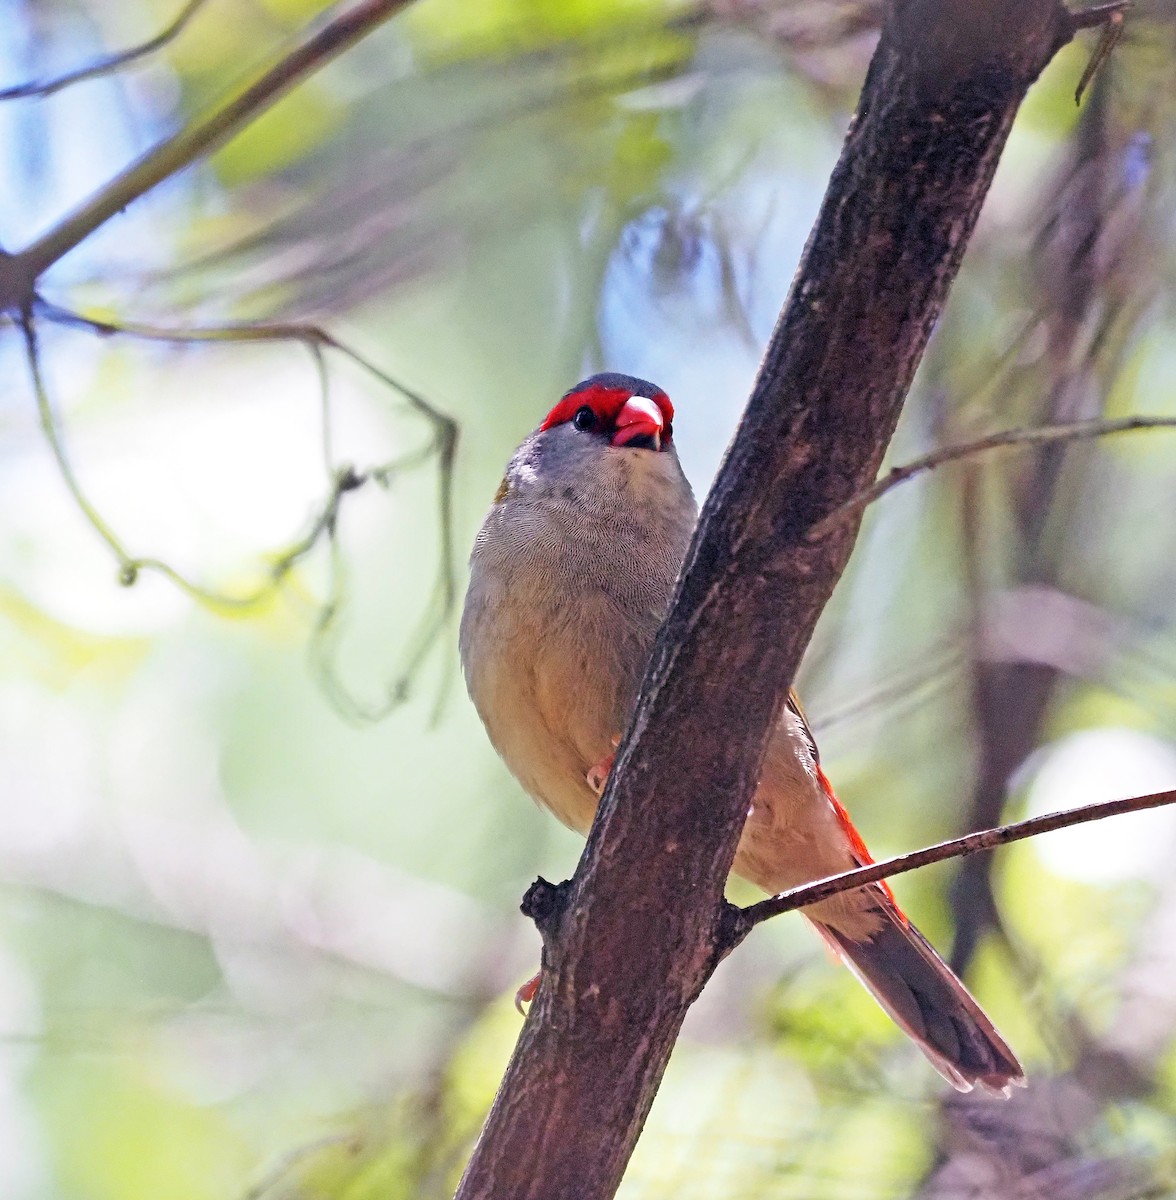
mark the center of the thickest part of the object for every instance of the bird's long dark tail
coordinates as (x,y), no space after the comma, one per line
(928,1002)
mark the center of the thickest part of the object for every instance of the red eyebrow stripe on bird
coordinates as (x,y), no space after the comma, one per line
(605,403)
(860,852)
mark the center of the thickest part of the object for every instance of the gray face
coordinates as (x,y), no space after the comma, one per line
(575,507)
(566,465)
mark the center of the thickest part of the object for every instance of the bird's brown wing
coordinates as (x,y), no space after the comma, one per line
(793,704)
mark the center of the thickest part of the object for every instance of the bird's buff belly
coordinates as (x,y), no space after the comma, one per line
(551,721)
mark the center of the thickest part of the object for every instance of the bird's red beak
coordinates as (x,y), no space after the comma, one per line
(640,424)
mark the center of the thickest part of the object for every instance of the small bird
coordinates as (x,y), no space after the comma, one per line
(570,576)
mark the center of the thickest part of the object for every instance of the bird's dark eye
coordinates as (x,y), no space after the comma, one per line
(668,432)
(584,418)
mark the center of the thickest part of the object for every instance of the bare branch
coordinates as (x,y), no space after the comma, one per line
(19,272)
(746,919)
(108,64)
(1071,431)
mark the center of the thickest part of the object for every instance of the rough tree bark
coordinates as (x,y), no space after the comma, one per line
(632,939)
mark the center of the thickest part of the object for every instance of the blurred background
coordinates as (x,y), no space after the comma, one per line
(260,868)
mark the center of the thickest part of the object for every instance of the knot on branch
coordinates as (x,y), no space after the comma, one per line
(995,49)
(544,903)
(348,479)
(732,927)
(1100,15)
(17,284)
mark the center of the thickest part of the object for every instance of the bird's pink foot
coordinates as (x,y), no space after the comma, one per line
(526,993)
(597,775)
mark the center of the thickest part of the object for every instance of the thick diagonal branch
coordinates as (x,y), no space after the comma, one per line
(639,933)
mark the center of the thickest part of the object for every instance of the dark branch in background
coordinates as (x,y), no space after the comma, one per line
(344,478)
(1072,269)
(110,63)
(743,920)
(631,941)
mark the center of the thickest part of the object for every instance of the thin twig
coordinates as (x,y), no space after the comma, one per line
(1112,32)
(108,64)
(1070,431)
(316,339)
(131,566)
(746,919)
(442,444)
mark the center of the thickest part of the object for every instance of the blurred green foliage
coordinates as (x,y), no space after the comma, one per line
(253,947)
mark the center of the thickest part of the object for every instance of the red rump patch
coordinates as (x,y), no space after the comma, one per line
(860,852)
(605,402)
